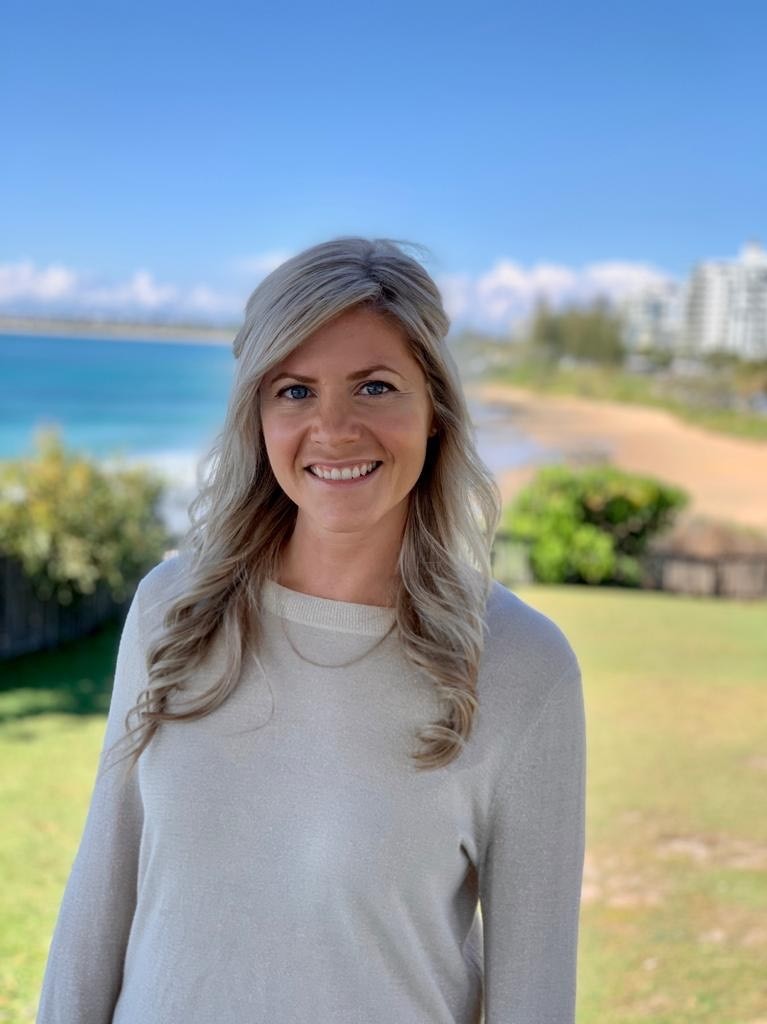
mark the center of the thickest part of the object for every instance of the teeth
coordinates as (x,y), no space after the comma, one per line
(347,473)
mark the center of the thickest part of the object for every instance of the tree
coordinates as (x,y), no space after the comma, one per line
(546,332)
(72,524)
(591,333)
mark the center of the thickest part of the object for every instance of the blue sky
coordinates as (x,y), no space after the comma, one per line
(161,157)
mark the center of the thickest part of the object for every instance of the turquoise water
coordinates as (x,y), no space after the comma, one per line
(110,396)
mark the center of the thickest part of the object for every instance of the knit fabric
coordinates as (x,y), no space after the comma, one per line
(283,860)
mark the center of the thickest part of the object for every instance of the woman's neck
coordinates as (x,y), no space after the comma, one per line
(339,575)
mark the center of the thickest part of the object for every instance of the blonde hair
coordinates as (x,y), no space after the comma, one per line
(241,517)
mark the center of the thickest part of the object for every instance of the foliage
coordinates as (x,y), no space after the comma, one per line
(584,333)
(590,525)
(73,524)
(658,358)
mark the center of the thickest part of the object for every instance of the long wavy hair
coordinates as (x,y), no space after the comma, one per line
(241,517)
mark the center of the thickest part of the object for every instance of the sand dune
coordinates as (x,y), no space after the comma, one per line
(726,477)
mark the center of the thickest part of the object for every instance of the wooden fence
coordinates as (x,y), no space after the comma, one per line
(735,576)
(29,624)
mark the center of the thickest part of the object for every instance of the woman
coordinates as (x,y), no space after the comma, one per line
(275,846)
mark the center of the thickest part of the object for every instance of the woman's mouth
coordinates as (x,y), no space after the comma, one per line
(350,482)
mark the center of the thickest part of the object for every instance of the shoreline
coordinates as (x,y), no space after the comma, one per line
(726,477)
(145,333)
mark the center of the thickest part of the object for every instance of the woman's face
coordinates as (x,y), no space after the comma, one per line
(351,394)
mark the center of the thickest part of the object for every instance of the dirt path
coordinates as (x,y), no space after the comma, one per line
(726,477)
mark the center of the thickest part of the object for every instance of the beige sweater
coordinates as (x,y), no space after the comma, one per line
(282,861)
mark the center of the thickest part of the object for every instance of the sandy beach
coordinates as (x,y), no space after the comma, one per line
(726,477)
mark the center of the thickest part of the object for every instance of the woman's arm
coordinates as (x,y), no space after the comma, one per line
(530,880)
(85,960)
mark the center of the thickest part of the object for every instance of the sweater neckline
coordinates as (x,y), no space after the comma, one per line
(326,613)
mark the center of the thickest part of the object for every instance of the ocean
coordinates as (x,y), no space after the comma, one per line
(156,402)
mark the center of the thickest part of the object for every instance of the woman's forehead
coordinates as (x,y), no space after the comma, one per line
(348,355)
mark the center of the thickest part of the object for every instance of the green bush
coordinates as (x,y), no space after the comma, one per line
(590,525)
(72,524)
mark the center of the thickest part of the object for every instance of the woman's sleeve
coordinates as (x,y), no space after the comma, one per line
(531,875)
(83,974)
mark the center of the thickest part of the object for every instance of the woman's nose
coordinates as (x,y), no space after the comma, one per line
(335,419)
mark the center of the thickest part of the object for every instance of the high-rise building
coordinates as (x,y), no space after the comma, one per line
(726,308)
(653,318)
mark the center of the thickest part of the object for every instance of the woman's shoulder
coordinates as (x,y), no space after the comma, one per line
(523,636)
(163,582)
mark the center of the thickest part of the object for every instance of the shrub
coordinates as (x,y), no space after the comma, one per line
(590,525)
(72,524)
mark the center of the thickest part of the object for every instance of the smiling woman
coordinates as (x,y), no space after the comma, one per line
(272,847)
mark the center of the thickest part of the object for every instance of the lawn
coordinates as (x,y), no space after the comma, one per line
(675,885)
(673,923)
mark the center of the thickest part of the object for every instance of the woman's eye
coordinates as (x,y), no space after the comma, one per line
(374,383)
(367,384)
(291,387)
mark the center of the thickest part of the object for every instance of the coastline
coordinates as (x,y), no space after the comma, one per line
(146,333)
(726,477)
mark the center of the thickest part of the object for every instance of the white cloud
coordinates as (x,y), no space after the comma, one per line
(24,281)
(503,296)
(207,300)
(26,289)
(622,280)
(141,291)
(496,300)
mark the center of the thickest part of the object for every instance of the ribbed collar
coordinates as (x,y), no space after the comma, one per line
(343,616)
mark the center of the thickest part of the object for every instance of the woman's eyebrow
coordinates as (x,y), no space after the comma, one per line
(352,376)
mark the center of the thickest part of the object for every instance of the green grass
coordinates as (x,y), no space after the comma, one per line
(52,708)
(675,890)
(75,678)
(619,386)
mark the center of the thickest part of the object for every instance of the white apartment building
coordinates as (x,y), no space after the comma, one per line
(654,317)
(726,307)
(721,307)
